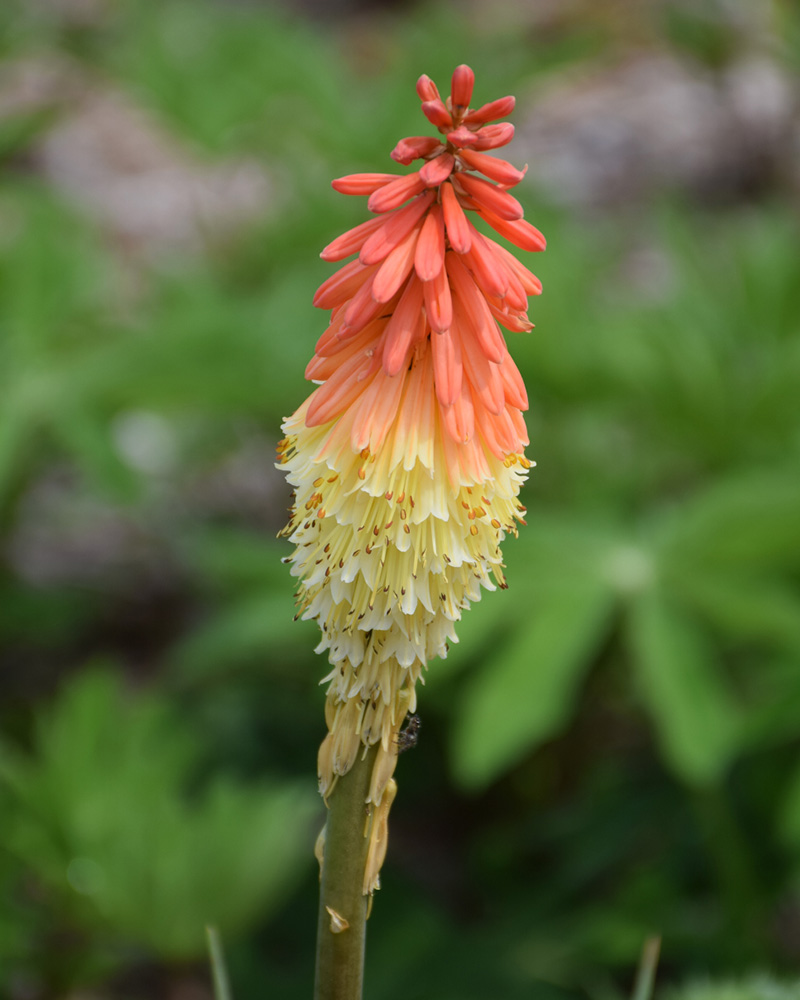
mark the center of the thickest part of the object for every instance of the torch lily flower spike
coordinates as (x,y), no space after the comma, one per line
(408,457)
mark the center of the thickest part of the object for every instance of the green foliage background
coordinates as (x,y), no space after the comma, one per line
(612,748)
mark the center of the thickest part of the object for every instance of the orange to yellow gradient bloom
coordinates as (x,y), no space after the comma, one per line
(407,459)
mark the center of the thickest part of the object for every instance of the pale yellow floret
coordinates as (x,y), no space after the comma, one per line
(389,554)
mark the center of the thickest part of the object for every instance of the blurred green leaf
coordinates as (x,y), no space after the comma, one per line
(18,132)
(234,560)
(790,818)
(526,686)
(89,442)
(104,815)
(254,629)
(753,608)
(697,721)
(748,522)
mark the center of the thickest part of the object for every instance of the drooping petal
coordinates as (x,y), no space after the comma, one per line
(322,366)
(494,136)
(438,301)
(475,310)
(402,329)
(513,385)
(437,114)
(376,411)
(414,147)
(447,366)
(339,391)
(462,137)
(330,335)
(493,167)
(501,108)
(395,227)
(489,272)
(518,231)
(438,169)
(482,374)
(393,194)
(459,418)
(351,241)
(515,322)
(396,268)
(526,278)
(362,308)
(500,431)
(489,197)
(458,230)
(488,262)
(429,257)
(515,297)
(361,183)
(341,286)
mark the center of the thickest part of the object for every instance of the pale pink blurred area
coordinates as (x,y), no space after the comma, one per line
(655,123)
(115,160)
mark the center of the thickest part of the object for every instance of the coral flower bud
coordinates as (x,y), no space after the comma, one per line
(494,136)
(414,147)
(438,170)
(488,197)
(361,183)
(439,302)
(351,241)
(518,231)
(426,89)
(462,137)
(429,255)
(397,191)
(461,87)
(500,108)
(493,167)
(393,228)
(396,268)
(458,230)
(437,114)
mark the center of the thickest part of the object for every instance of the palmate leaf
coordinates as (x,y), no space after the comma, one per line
(101,815)
(526,687)
(697,722)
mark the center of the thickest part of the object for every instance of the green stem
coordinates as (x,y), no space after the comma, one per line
(222,986)
(340,956)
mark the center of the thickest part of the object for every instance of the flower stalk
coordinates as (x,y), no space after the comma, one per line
(341,927)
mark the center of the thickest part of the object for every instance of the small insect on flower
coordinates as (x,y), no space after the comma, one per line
(407,738)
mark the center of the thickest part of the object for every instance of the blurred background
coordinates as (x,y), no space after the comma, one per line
(613,750)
